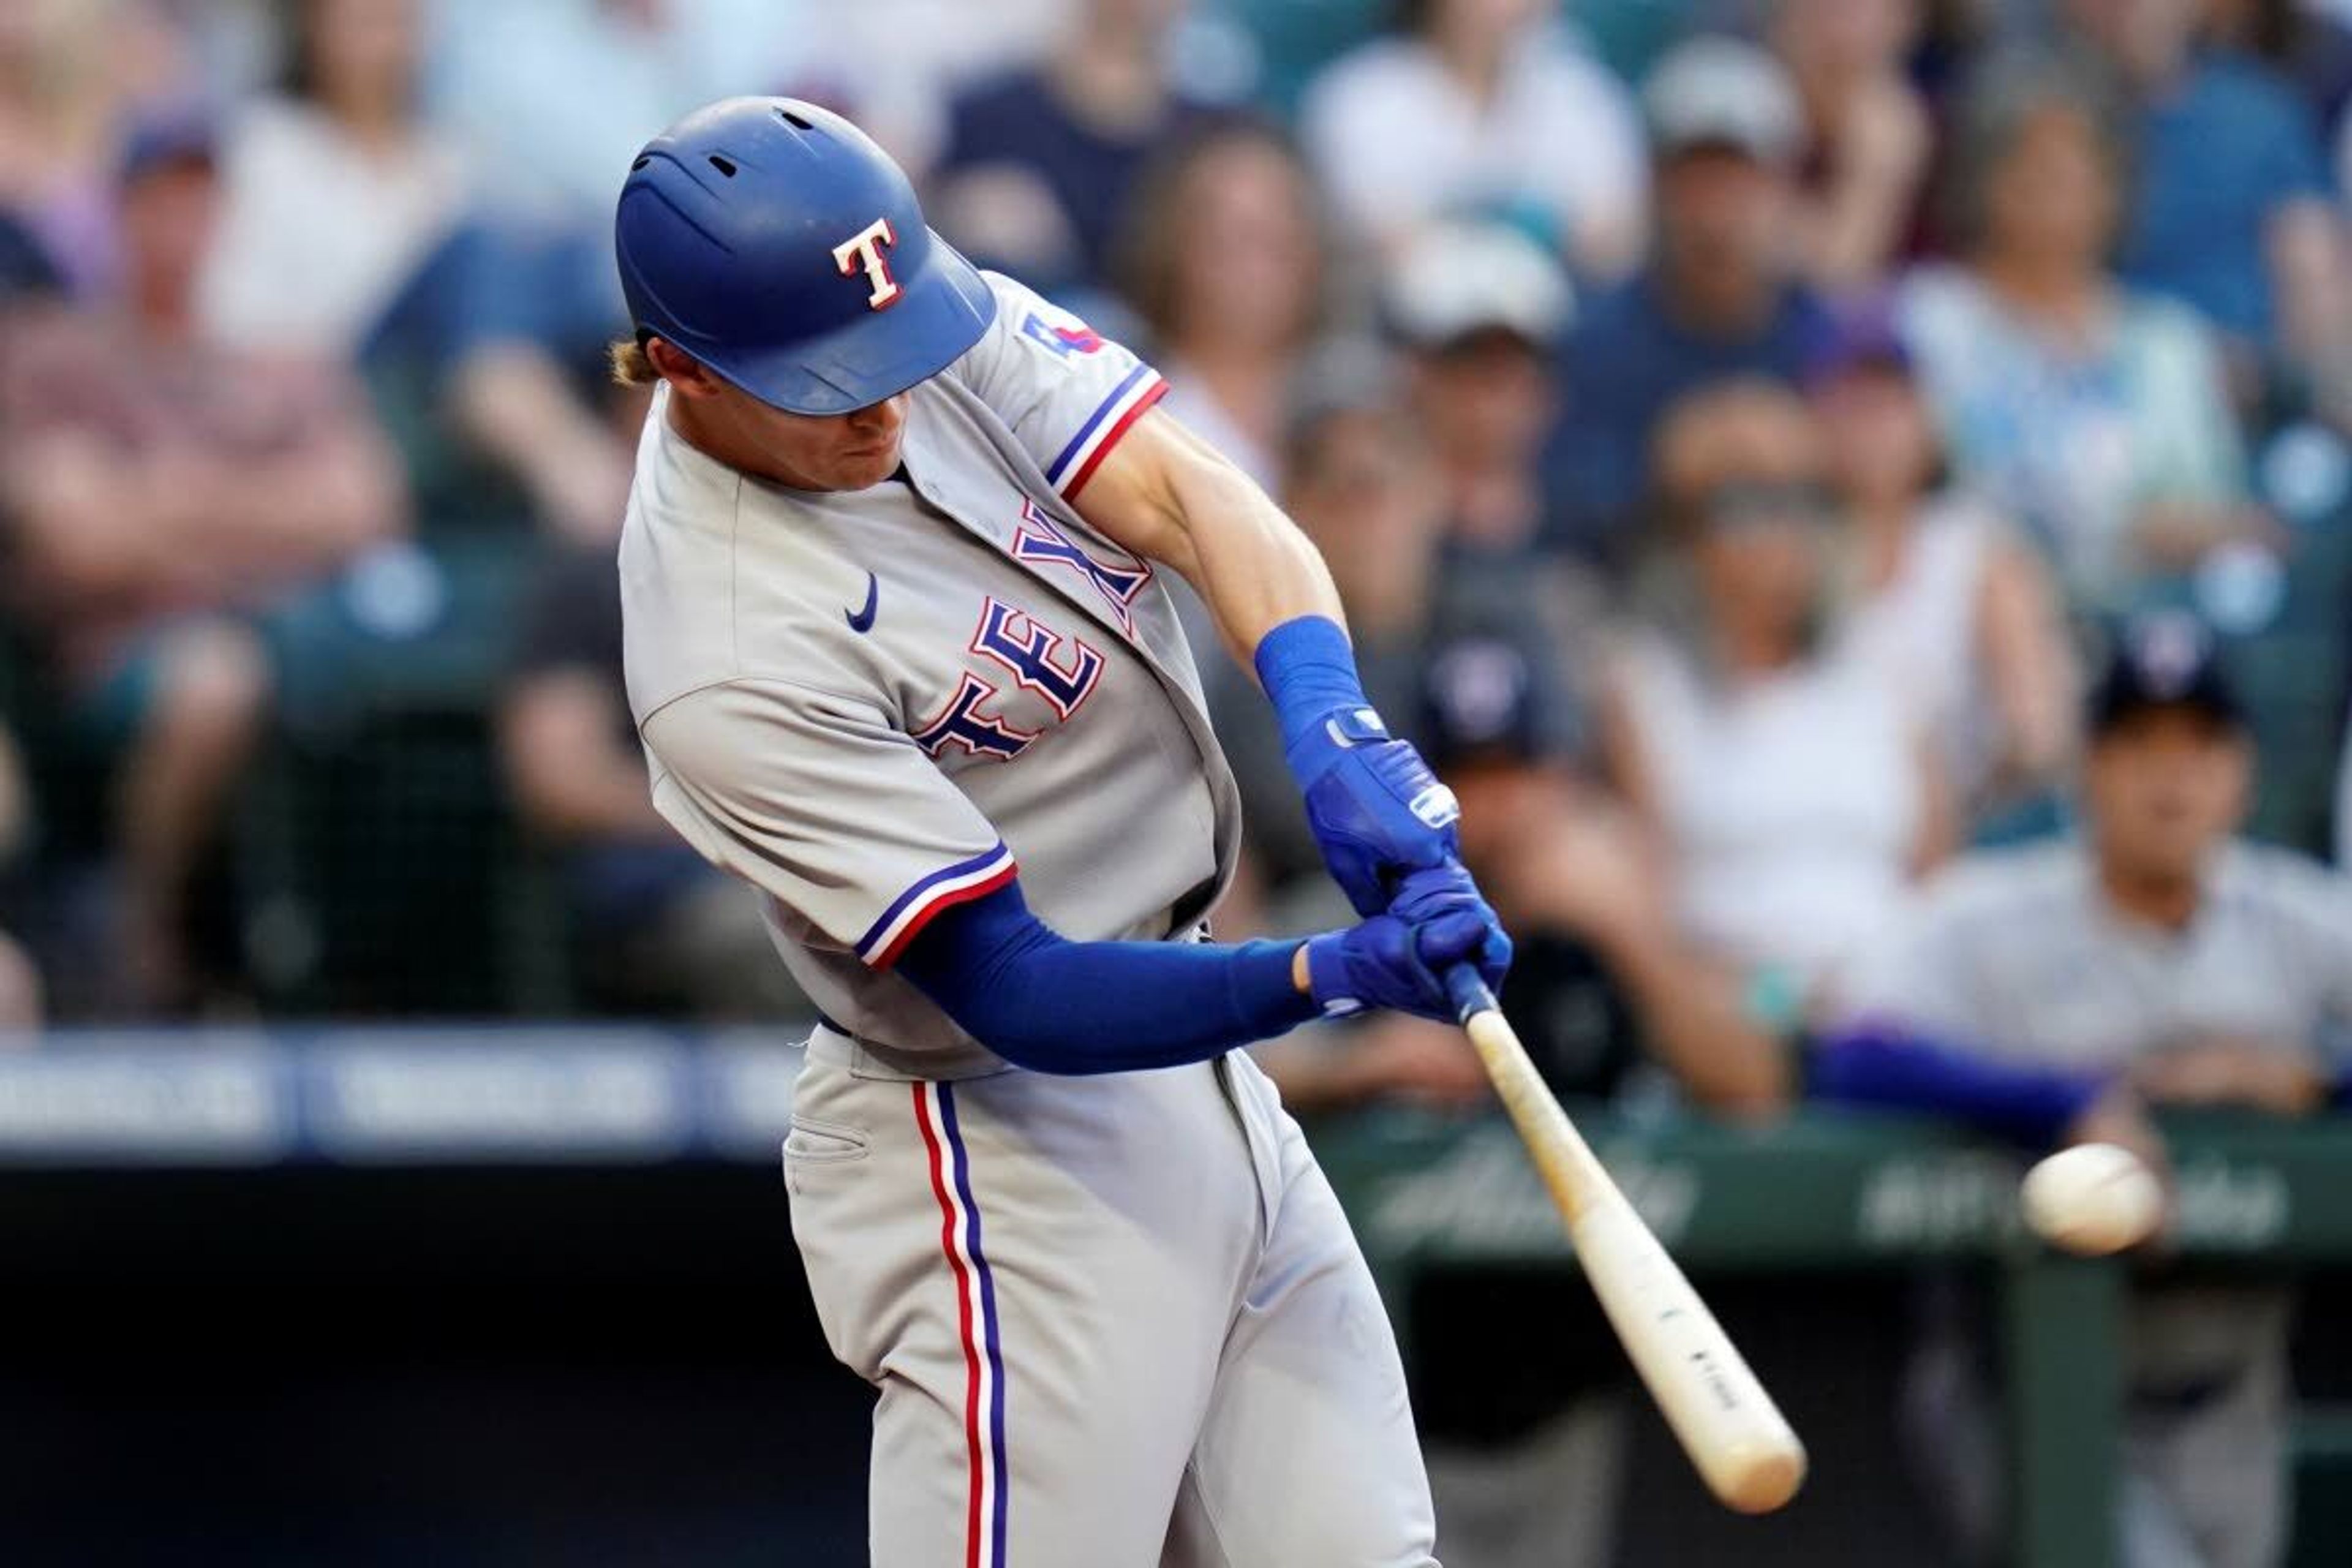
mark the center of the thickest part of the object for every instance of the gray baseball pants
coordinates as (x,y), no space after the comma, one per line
(1115,1321)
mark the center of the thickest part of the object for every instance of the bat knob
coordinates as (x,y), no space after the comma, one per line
(1765,1481)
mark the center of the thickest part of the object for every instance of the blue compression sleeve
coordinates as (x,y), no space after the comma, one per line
(1870,1066)
(1307,668)
(1043,1001)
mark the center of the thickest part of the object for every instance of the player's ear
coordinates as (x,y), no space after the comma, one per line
(680,369)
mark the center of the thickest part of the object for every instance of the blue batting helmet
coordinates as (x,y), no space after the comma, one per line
(775,243)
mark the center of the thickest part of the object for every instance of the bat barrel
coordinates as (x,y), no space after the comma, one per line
(1733,1434)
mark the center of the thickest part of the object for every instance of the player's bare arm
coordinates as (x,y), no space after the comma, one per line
(1169,496)
(1377,810)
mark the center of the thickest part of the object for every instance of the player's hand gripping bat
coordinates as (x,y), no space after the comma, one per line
(1728,1425)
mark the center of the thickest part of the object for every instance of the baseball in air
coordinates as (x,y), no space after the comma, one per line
(2092,1199)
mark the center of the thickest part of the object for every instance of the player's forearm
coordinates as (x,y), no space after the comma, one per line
(1252,566)
(1696,1029)
(1873,1066)
(1050,1004)
(1169,496)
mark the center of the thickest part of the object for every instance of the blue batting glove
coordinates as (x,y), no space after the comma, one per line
(1425,896)
(1377,810)
(1398,959)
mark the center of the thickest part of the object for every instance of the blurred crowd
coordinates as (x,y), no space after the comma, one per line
(1734,427)
(1769,450)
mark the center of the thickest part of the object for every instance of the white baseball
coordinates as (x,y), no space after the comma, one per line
(2092,1199)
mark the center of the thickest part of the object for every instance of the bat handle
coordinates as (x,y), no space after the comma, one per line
(1468,993)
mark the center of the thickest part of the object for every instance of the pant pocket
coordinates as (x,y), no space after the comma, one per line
(814,1142)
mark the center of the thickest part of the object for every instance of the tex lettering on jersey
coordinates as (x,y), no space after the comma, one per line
(1039,542)
(1062,671)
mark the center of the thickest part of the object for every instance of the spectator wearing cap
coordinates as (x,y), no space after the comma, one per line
(1039,163)
(2230,210)
(2094,414)
(1868,134)
(2050,992)
(1949,601)
(1720,296)
(166,496)
(1481,110)
(1223,258)
(1477,309)
(1785,782)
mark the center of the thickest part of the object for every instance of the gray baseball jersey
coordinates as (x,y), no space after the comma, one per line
(1116,1319)
(873,704)
(2020,955)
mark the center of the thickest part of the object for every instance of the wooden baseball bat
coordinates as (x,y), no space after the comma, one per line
(1728,1425)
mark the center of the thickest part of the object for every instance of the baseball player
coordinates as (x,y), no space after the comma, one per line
(901,655)
(2043,991)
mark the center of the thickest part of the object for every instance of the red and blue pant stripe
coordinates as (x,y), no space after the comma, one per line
(988,1505)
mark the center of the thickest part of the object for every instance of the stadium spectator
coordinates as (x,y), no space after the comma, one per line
(1951,602)
(1719,298)
(165,495)
(2048,991)
(655,929)
(1869,137)
(1777,766)
(1478,309)
(2094,414)
(1603,983)
(1223,258)
(1481,109)
(549,101)
(2230,205)
(1039,163)
(334,191)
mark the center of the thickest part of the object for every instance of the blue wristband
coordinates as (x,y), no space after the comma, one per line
(1309,669)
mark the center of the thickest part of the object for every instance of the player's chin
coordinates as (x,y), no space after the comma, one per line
(861,467)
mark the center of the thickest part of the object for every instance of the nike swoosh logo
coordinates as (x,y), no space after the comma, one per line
(862,621)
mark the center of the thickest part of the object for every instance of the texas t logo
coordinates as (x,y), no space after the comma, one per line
(864,250)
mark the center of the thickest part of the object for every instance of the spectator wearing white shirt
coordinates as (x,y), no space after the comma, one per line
(334,191)
(2095,415)
(1952,603)
(1776,764)
(1482,108)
